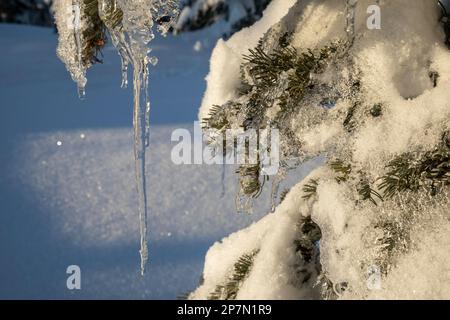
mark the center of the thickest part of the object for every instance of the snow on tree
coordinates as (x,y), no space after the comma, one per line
(83,26)
(237,14)
(372,221)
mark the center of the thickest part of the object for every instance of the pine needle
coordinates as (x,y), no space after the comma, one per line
(230,289)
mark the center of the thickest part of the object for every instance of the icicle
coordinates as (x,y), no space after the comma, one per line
(77,35)
(70,24)
(140,74)
(224,166)
(222,178)
(350,16)
(276,187)
(130,26)
(244,204)
(131,39)
(137,24)
(124,61)
(274,194)
(153,61)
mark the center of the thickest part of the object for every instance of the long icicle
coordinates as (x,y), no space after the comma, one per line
(124,62)
(130,25)
(224,168)
(140,71)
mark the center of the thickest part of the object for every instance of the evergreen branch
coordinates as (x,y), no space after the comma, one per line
(266,68)
(216,119)
(395,238)
(367,193)
(241,270)
(283,194)
(310,189)
(94,35)
(249,181)
(343,170)
(349,118)
(409,172)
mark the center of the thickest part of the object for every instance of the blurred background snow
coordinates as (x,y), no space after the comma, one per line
(67,191)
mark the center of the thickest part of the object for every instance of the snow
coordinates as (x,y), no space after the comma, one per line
(393,65)
(431,257)
(223,78)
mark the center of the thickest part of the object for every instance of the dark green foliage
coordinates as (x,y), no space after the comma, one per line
(353,115)
(282,77)
(434,77)
(367,193)
(377,110)
(230,289)
(308,265)
(94,36)
(266,68)
(285,39)
(307,63)
(306,243)
(395,239)
(217,119)
(283,194)
(410,172)
(310,189)
(403,175)
(262,86)
(342,170)
(249,181)
(349,123)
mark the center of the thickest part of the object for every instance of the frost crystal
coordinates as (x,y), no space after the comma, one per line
(82,25)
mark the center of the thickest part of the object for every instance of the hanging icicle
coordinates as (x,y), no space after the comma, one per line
(130,25)
(277,180)
(68,18)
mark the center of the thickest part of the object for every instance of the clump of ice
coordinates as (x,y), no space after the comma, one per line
(71,24)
